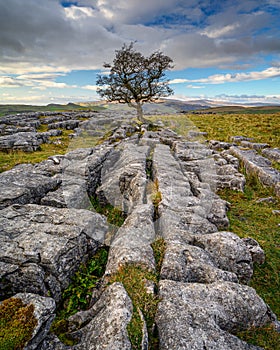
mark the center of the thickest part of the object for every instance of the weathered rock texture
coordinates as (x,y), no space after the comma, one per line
(42,247)
(166,186)
(199,316)
(259,166)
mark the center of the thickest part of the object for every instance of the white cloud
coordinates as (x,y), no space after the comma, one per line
(271,72)
(90,87)
(178,81)
(219,32)
(76,13)
(195,86)
(9,82)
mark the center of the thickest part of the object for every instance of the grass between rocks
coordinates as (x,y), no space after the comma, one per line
(77,295)
(138,281)
(250,218)
(17,322)
(57,145)
(247,216)
(114,215)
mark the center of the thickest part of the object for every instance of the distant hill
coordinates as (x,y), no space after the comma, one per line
(163,106)
(14,108)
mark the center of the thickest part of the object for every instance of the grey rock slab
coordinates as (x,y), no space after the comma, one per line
(132,242)
(199,316)
(123,177)
(110,317)
(44,312)
(24,184)
(272,154)
(253,145)
(174,224)
(186,263)
(260,166)
(66,124)
(229,252)
(47,245)
(25,141)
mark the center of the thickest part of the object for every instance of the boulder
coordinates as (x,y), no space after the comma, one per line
(25,184)
(107,329)
(259,166)
(42,247)
(199,316)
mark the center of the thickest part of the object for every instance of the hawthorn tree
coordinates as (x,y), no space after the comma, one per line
(135,79)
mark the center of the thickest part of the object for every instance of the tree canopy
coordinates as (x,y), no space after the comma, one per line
(135,79)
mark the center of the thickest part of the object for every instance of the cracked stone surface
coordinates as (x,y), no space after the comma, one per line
(206,316)
(42,246)
(48,228)
(260,166)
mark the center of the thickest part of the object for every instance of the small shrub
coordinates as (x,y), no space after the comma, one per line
(17,322)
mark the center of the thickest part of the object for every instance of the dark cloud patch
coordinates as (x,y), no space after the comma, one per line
(66,35)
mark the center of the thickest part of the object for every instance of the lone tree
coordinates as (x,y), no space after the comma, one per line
(135,79)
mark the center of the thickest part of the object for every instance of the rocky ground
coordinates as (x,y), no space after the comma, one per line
(48,228)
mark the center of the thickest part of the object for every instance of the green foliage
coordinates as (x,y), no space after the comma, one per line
(78,294)
(114,215)
(134,279)
(17,322)
(135,79)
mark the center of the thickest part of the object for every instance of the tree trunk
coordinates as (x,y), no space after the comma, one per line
(140,112)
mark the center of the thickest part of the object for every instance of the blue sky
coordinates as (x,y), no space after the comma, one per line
(228,51)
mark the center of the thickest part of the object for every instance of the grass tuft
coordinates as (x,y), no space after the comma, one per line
(135,279)
(17,322)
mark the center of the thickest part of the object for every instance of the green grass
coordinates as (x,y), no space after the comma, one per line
(248,218)
(134,279)
(114,215)
(17,322)
(11,158)
(264,128)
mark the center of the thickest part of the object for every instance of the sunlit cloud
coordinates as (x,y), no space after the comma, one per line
(271,72)
(90,87)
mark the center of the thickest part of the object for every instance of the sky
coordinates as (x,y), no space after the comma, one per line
(51,51)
